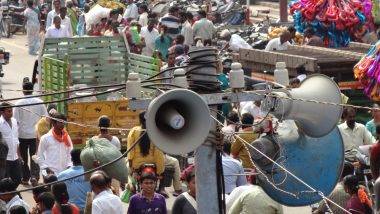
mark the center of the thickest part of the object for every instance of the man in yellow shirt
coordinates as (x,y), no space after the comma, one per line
(43,126)
(238,149)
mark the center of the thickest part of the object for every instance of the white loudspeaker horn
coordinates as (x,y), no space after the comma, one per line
(314,119)
(178,121)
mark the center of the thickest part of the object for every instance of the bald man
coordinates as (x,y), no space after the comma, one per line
(104,201)
(279,44)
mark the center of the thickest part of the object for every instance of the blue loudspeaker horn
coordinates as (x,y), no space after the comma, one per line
(316,161)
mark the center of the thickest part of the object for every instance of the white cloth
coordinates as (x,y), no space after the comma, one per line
(235,194)
(204,29)
(67,23)
(106,203)
(50,17)
(53,154)
(131,12)
(190,199)
(254,110)
(352,139)
(116,142)
(231,169)
(187,32)
(53,32)
(10,137)
(149,38)
(229,132)
(236,42)
(275,45)
(17,201)
(301,77)
(26,120)
(143,19)
(255,200)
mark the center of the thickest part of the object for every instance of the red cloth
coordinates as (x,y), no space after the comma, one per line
(375,160)
(355,206)
(74,209)
(64,138)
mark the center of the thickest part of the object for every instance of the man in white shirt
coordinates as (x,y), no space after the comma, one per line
(104,201)
(253,107)
(279,44)
(57,30)
(53,13)
(204,28)
(55,147)
(26,132)
(143,18)
(11,200)
(233,170)
(131,12)
(232,121)
(65,21)
(234,41)
(354,135)
(187,30)
(255,200)
(149,34)
(9,131)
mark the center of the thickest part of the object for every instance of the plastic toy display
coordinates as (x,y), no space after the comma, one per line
(337,22)
(367,72)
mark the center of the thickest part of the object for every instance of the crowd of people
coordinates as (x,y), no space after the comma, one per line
(36,148)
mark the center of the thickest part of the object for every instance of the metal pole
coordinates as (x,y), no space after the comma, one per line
(283,11)
(205,176)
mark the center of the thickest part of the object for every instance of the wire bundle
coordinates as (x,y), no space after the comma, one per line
(367,72)
(337,22)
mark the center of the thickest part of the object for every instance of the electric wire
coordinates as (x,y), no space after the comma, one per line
(69,98)
(59,92)
(74,123)
(161,84)
(79,175)
(287,171)
(46,93)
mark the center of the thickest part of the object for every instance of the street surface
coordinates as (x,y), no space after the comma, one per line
(21,65)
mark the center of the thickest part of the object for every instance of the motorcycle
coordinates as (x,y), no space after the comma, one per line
(12,19)
(4,59)
(362,168)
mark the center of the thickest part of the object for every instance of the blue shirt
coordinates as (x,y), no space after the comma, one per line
(371,127)
(140,205)
(77,187)
(231,167)
(163,46)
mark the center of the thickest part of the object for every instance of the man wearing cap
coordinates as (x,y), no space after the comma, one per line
(27,117)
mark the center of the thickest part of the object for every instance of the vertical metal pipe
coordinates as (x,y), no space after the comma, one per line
(205,176)
(283,11)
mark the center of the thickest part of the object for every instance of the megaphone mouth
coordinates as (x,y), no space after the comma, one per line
(178,121)
(162,120)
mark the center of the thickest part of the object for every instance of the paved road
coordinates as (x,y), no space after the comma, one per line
(21,65)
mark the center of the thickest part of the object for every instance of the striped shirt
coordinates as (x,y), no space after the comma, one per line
(172,23)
